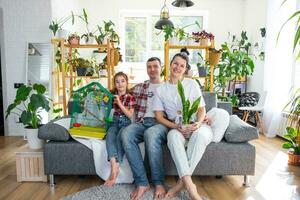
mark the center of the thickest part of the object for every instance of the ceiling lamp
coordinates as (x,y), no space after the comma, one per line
(164,18)
(183,3)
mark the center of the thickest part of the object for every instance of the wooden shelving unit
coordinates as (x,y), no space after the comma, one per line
(62,81)
(169,46)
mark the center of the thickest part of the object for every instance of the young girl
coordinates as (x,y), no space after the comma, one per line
(124,108)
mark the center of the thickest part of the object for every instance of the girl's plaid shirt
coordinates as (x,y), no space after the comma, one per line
(140,92)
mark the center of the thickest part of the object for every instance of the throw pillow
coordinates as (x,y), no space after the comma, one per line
(54,131)
(240,131)
(219,120)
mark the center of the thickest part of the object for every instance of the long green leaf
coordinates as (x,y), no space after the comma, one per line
(297,37)
(291,17)
(181,91)
(41,89)
(9,109)
(26,117)
(194,107)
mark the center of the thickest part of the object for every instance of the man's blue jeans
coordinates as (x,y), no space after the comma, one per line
(154,135)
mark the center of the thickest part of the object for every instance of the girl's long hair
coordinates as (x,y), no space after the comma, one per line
(115,91)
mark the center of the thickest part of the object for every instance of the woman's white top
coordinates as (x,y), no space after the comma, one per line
(167,98)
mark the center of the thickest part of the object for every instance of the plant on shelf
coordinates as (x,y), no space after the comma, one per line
(168,32)
(107,32)
(57,24)
(74,39)
(202,37)
(293,128)
(29,102)
(88,36)
(188,109)
(235,62)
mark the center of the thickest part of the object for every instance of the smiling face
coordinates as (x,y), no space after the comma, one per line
(178,67)
(120,83)
(153,69)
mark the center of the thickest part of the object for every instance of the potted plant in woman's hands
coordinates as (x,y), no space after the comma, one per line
(29,102)
(187,109)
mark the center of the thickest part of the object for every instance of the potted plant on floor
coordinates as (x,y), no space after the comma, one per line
(29,102)
(293,129)
(188,109)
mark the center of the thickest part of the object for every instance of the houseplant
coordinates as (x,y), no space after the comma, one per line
(187,109)
(28,103)
(293,128)
(202,37)
(107,32)
(74,39)
(56,25)
(88,36)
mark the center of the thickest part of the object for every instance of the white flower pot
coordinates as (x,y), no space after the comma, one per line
(32,137)
(174,41)
(62,33)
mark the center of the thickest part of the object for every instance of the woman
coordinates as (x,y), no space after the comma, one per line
(196,136)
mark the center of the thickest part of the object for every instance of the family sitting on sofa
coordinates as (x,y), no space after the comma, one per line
(156,108)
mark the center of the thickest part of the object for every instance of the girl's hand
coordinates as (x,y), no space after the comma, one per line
(117,100)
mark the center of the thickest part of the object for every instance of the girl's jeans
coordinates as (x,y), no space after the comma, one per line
(113,137)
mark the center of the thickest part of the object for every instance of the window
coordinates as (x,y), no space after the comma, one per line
(142,40)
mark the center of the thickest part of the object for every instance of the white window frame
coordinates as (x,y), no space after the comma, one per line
(148,14)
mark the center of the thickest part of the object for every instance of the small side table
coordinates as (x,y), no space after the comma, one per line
(30,165)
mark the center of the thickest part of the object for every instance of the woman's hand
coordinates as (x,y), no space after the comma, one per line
(207,120)
(117,100)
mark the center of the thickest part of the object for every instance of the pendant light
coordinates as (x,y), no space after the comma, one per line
(164,18)
(183,3)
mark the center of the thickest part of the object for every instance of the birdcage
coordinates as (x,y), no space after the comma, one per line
(90,111)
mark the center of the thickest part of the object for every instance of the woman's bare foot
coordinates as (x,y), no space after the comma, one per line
(160,192)
(139,192)
(191,188)
(115,169)
(175,189)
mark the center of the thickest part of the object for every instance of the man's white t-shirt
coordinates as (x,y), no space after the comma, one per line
(167,98)
(151,92)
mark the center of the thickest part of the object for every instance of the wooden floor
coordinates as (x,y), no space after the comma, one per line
(273,179)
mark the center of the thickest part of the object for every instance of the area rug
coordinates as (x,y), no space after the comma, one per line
(117,192)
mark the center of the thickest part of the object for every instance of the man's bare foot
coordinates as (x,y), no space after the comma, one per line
(139,192)
(175,189)
(160,192)
(115,169)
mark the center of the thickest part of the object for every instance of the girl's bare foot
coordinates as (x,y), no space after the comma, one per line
(139,192)
(175,189)
(115,169)
(160,192)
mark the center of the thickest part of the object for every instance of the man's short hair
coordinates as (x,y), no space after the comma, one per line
(154,59)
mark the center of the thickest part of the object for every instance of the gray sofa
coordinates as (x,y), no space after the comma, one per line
(232,156)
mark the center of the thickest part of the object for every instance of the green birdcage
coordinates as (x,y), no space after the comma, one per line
(91,111)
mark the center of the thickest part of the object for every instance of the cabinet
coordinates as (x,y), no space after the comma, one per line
(206,48)
(63,75)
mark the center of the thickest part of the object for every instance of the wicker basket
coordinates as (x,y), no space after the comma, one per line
(214,57)
(293,159)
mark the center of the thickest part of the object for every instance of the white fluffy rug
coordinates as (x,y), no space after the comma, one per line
(117,192)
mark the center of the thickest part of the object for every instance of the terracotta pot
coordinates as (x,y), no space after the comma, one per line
(203,41)
(293,159)
(74,40)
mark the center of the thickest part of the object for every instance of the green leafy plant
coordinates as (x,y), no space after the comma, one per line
(187,109)
(297,34)
(107,31)
(291,143)
(57,24)
(168,32)
(29,102)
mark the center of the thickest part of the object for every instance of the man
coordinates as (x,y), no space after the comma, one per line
(148,130)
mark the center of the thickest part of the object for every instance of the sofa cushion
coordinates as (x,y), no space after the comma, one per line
(219,120)
(240,131)
(53,131)
(210,99)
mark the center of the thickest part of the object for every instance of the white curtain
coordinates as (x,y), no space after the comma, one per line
(279,63)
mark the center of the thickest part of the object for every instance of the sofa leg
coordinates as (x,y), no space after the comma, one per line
(51,180)
(219,177)
(246,181)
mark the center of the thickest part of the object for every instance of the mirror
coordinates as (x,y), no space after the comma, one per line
(39,67)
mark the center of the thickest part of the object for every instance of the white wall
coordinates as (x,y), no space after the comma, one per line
(256,18)
(23,21)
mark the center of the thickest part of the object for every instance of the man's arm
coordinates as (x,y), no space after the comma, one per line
(159,115)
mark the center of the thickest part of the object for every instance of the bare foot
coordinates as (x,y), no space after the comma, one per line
(115,169)
(160,192)
(139,192)
(192,190)
(175,189)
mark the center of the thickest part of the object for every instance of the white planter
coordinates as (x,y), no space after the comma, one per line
(32,137)
(103,72)
(62,33)
(174,41)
